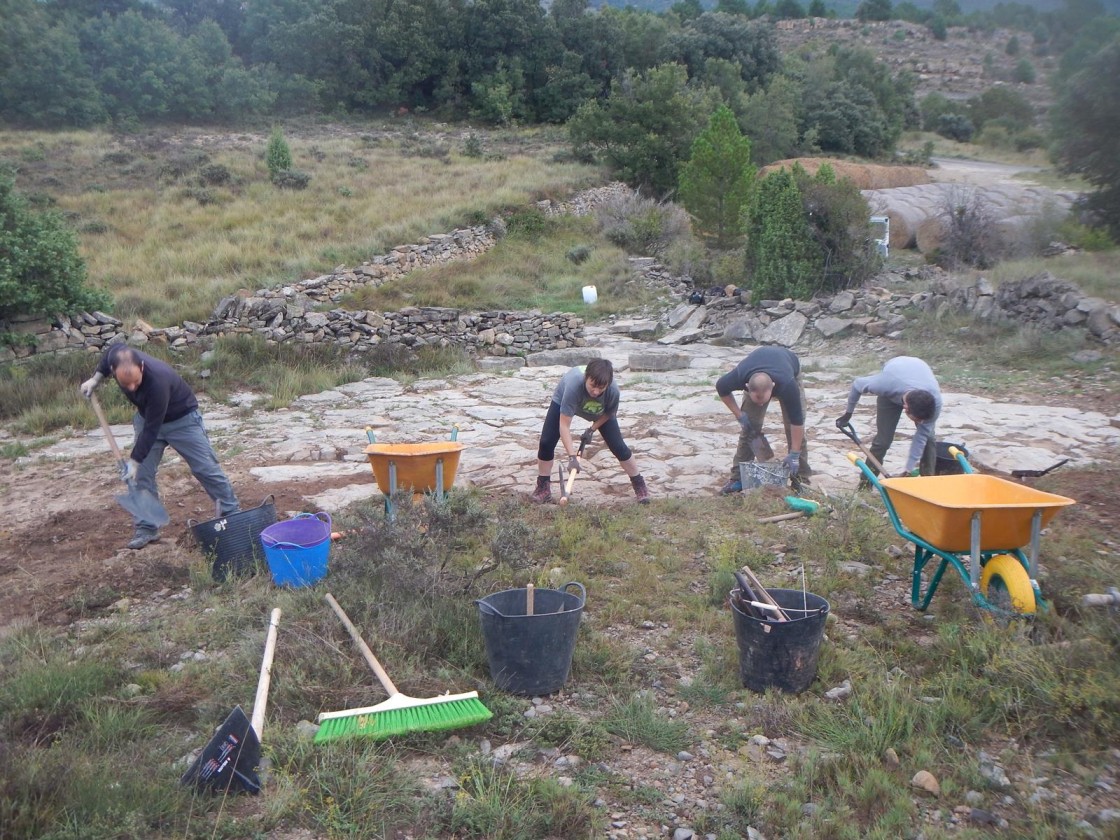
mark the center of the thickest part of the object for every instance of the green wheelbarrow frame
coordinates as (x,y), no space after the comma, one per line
(979,536)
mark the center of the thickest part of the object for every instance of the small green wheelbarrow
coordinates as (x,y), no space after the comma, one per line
(975,523)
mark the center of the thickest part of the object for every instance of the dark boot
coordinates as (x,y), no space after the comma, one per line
(543,493)
(640,489)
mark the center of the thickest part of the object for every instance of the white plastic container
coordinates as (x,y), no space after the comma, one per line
(590,294)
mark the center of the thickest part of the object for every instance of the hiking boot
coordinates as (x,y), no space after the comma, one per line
(733,486)
(142,538)
(543,493)
(640,489)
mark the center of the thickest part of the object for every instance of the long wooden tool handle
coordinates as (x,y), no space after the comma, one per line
(571,481)
(105,426)
(261,699)
(528,599)
(782,517)
(371,660)
(762,594)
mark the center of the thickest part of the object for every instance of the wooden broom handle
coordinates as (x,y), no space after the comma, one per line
(371,660)
(261,699)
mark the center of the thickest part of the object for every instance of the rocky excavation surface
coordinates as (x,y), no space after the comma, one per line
(62,555)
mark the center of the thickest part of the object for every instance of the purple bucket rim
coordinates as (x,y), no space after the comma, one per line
(279,531)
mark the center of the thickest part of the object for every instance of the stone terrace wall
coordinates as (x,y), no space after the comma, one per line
(290,314)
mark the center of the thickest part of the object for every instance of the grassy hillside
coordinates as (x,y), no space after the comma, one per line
(171,221)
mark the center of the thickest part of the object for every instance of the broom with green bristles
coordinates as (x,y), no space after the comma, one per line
(400,714)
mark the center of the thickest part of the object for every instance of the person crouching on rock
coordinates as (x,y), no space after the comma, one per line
(589,393)
(166,415)
(766,373)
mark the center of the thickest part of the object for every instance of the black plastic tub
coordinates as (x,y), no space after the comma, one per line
(531,654)
(781,654)
(233,542)
(946,463)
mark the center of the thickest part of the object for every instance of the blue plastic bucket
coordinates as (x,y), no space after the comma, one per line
(297,549)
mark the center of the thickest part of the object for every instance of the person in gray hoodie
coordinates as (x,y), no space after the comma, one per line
(904,385)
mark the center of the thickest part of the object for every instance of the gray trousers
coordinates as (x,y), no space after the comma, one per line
(887,414)
(187,436)
(756,414)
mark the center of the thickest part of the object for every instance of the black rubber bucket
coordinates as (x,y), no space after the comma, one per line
(234,541)
(781,654)
(946,463)
(531,654)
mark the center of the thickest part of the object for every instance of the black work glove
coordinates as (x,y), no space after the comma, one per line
(843,420)
(573,463)
(745,422)
(585,438)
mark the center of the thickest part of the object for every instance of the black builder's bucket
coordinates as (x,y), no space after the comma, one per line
(781,654)
(946,463)
(531,654)
(234,541)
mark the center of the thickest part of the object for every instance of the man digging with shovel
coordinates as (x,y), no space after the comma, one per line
(904,385)
(766,373)
(166,415)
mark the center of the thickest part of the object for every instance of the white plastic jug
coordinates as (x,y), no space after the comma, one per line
(590,294)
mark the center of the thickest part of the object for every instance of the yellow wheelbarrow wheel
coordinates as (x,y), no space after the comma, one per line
(1006,584)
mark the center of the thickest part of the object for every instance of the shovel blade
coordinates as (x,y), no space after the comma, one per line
(230,760)
(144,505)
(760,446)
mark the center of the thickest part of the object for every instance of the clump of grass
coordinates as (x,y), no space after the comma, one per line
(637,721)
(968,352)
(492,802)
(257,235)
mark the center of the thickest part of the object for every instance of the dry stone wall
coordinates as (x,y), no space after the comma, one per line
(295,312)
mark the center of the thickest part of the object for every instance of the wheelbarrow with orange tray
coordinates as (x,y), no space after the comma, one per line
(977,524)
(419,467)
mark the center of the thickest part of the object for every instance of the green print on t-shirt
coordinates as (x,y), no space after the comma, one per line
(591,406)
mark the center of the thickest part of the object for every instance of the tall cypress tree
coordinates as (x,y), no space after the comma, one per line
(782,260)
(716,182)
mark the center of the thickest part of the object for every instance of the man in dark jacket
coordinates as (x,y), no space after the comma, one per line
(766,373)
(166,415)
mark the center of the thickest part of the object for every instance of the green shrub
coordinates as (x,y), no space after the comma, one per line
(291,179)
(579,254)
(1029,138)
(781,258)
(278,156)
(1024,72)
(527,224)
(955,127)
(41,271)
(641,225)
(472,146)
(214,175)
